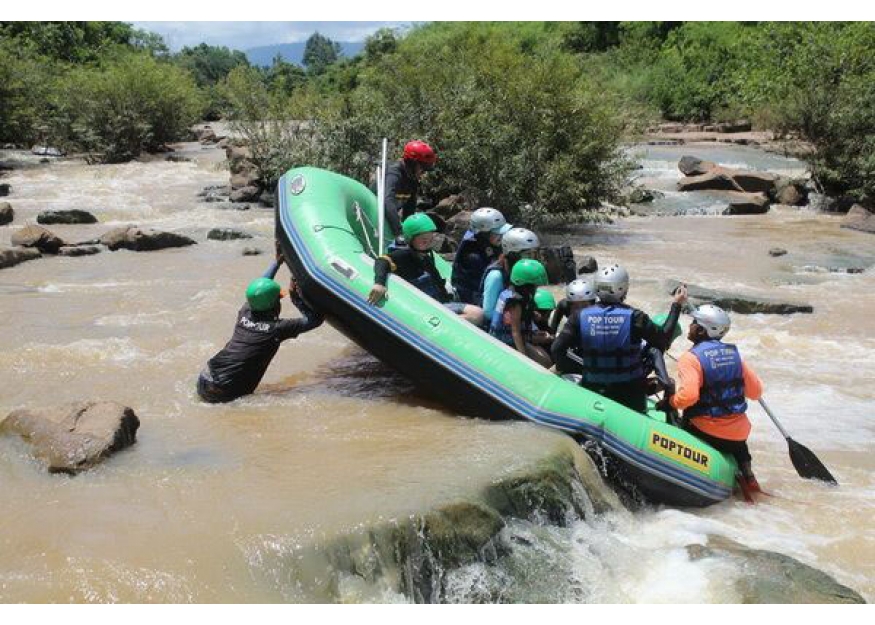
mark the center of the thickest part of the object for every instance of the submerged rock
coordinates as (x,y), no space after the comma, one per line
(140,240)
(44,240)
(74,216)
(769,577)
(79,250)
(252,251)
(6,213)
(244,194)
(74,437)
(736,302)
(9,257)
(414,555)
(5,189)
(777,251)
(227,234)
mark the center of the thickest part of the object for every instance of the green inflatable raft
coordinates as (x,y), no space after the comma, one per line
(327,227)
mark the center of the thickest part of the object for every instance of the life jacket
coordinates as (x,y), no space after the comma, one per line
(609,353)
(500,328)
(469,267)
(722,393)
(496,264)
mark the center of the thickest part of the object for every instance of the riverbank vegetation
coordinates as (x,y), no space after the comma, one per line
(527,116)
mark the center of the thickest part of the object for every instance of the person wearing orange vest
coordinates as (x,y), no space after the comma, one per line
(713,383)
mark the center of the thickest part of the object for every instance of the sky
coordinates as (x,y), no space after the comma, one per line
(245,35)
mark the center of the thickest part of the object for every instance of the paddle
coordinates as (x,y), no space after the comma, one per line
(807,465)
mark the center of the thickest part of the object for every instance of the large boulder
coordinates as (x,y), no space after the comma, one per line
(747,204)
(736,302)
(693,166)
(859,218)
(587,265)
(457,225)
(770,577)
(143,240)
(246,194)
(44,240)
(6,213)
(11,256)
(74,437)
(715,180)
(790,192)
(74,216)
(726,179)
(559,262)
(451,205)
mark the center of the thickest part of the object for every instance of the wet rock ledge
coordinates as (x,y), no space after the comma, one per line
(415,557)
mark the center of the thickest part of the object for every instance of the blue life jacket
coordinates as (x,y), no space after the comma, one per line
(722,392)
(503,331)
(469,268)
(609,354)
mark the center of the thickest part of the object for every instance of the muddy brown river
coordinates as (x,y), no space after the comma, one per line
(212,499)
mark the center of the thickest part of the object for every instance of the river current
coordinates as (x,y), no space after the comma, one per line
(211,497)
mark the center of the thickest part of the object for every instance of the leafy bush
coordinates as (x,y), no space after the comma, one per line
(126,105)
(523,132)
(26,82)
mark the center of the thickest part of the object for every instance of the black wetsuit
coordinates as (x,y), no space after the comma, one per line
(238,368)
(418,268)
(632,394)
(402,191)
(562,310)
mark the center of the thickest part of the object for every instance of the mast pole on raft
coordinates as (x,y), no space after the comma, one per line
(381,195)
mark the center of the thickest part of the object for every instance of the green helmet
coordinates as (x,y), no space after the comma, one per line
(528,271)
(544,300)
(416,224)
(262,294)
(660,321)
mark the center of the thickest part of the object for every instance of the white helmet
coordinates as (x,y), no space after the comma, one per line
(713,318)
(580,291)
(612,284)
(487,220)
(519,240)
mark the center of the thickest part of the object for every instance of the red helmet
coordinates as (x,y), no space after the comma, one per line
(420,152)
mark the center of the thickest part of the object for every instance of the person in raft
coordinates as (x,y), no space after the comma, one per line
(609,338)
(238,368)
(513,318)
(402,182)
(579,294)
(415,263)
(516,243)
(479,247)
(713,382)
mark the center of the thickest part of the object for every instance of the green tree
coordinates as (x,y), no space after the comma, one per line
(130,103)
(319,53)
(209,65)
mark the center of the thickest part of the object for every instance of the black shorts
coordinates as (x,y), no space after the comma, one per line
(209,392)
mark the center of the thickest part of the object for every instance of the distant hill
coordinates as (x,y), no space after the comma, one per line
(294,52)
